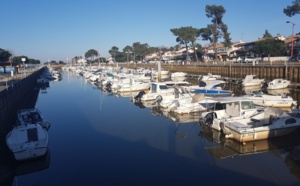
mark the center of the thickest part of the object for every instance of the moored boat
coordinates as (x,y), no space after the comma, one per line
(272,122)
(27,141)
(32,116)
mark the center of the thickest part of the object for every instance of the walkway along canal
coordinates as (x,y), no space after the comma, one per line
(20,91)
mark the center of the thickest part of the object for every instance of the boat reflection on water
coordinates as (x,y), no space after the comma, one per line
(10,168)
(251,89)
(177,118)
(210,134)
(286,147)
(279,92)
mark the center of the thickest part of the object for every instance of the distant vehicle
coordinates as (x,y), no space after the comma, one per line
(239,59)
(295,58)
(250,59)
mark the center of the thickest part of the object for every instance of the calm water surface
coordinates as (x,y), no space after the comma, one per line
(100,139)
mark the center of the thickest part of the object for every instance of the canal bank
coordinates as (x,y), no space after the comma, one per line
(290,71)
(17,92)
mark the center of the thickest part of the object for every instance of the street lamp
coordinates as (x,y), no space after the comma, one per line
(292,49)
(23,59)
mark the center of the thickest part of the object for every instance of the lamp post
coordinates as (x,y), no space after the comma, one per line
(23,59)
(292,49)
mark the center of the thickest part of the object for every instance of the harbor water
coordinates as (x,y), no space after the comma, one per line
(97,138)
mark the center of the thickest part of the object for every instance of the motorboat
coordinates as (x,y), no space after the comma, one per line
(210,89)
(157,92)
(162,72)
(133,85)
(209,77)
(27,141)
(252,80)
(271,122)
(182,95)
(278,84)
(188,103)
(267,100)
(32,116)
(228,108)
(178,74)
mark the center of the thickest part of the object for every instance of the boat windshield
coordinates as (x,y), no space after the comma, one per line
(247,105)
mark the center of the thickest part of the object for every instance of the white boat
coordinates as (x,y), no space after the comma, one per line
(162,72)
(178,74)
(209,77)
(267,100)
(158,91)
(32,116)
(198,103)
(27,141)
(183,97)
(133,85)
(211,88)
(228,108)
(251,80)
(272,122)
(278,84)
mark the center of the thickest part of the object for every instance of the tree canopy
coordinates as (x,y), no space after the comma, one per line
(218,29)
(293,9)
(185,35)
(114,52)
(140,50)
(267,34)
(269,47)
(91,54)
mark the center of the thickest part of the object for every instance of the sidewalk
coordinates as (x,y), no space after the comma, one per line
(7,79)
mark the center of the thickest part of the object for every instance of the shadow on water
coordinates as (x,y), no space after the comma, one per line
(9,167)
(285,147)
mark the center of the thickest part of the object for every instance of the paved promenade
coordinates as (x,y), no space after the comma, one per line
(8,79)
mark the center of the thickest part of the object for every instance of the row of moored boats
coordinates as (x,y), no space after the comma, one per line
(243,118)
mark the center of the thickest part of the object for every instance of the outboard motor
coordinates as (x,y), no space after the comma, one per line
(174,105)
(209,118)
(158,99)
(264,85)
(139,95)
(108,85)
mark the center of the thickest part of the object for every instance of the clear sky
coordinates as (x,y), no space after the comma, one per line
(61,29)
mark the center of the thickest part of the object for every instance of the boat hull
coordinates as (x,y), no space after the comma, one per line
(253,135)
(30,153)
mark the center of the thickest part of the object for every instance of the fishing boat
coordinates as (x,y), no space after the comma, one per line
(27,141)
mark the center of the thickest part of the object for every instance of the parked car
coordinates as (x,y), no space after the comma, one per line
(295,58)
(251,60)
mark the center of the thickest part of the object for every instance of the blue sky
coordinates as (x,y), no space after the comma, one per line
(61,29)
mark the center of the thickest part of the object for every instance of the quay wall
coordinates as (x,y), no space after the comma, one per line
(267,72)
(14,96)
